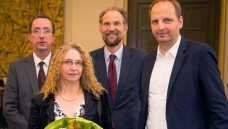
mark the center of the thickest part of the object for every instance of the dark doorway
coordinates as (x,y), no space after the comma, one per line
(201,23)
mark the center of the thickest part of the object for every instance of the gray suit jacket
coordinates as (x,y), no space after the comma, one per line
(21,86)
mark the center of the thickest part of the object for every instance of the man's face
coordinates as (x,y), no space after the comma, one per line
(164,22)
(113,28)
(41,36)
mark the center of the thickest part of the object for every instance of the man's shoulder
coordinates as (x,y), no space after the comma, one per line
(197,46)
(96,51)
(137,52)
(22,59)
(194,43)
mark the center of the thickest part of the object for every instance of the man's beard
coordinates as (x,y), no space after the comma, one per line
(112,44)
(108,42)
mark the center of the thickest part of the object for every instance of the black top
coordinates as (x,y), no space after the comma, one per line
(42,111)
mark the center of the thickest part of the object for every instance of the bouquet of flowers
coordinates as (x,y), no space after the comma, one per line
(72,123)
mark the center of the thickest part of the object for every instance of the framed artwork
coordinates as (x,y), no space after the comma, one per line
(15,17)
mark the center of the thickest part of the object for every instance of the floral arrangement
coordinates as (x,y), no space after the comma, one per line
(72,123)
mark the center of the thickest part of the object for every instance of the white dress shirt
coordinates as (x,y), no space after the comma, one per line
(46,61)
(158,88)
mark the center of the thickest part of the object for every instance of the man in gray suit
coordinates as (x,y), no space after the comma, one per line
(22,82)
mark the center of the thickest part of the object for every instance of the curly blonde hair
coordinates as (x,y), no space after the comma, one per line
(88,81)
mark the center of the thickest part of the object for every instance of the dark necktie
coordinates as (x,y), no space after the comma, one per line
(41,75)
(112,78)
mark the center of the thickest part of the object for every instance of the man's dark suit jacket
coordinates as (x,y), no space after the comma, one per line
(42,112)
(21,86)
(126,109)
(196,97)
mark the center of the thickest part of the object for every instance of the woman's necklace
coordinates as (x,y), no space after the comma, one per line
(68,99)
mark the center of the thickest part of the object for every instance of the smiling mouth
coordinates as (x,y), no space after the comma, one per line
(111,34)
(161,34)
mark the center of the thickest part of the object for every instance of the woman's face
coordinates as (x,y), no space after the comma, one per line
(72,66)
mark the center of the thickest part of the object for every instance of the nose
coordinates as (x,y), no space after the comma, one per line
(74,66)
(41,34)
(161,25)
(112,27)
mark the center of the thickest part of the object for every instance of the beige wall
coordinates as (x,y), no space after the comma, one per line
(81,21)
(81,25)
(225,71)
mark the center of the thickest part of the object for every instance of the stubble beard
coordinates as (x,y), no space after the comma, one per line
(112,44)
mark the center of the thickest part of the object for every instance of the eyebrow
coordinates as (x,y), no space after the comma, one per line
(71,60)
(43,28)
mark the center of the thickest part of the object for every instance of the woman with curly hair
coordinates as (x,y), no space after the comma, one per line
(71,89)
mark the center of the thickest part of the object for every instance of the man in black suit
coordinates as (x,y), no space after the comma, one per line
(181,85)
(22,79)
(124,102)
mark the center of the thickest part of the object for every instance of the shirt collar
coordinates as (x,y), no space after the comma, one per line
(173,50)
(37,60)
(118,53)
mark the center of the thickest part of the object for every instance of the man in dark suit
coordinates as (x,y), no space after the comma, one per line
(181,85)
(124,96)
(22,79)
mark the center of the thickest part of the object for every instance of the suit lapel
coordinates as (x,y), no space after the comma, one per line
(146,74)
(126,65)
(31,71)
(101,71)
(177,64)
(100,67)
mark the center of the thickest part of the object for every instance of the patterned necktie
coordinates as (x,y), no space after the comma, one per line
(112,78)
(41,75)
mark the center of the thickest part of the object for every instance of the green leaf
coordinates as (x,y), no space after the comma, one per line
(63,123)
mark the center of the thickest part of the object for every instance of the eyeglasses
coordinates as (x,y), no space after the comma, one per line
(69,63)
(38,31)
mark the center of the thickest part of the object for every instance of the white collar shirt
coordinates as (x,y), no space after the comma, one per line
(158,87)
(46,61)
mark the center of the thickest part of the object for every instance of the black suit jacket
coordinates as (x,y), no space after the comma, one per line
(196,97)
(126,109)
(42,112)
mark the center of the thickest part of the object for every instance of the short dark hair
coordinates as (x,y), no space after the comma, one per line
(42,16)
(174,2)
(120,10)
